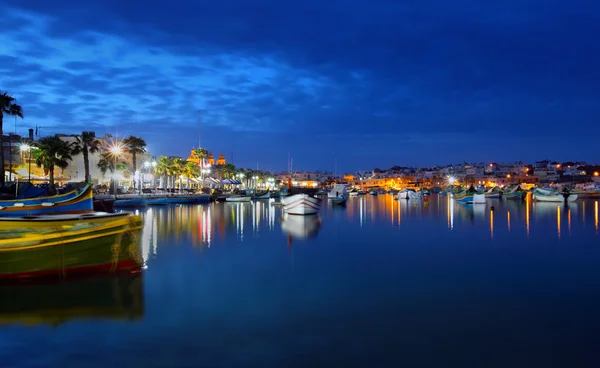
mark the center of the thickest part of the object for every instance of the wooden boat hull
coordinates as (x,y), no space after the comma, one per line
(553,198)
(265,195)
(338,201)
(514,196)
(91,248)
(40,200)
(131,202)
(162,201)
(586,194)
(470,198)
(83,202)
(301,204)
(58,222)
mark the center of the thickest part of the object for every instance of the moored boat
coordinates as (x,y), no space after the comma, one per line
(262,195)
(81,247)
(545,195)
(158,201)
(58,222)
(338,194)
(470,196)
(493,193)
(82,202)
(40,200)
(514,193)
(238,198)
(408,193)
(131,202)
(301,204)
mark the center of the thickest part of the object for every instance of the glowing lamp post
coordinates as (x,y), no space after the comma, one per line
(116,152)
(27,148)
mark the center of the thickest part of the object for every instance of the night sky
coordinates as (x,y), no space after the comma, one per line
(372,83)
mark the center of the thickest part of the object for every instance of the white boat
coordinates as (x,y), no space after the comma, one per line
(353,193)
(238,198)
(300,227)
(549,195)
(301,204)
(338,190)
(553,197)
(408,193)
(338,194)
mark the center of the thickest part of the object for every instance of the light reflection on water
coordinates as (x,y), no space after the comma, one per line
(374,283)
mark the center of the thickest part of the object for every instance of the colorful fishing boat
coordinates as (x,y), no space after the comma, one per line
(301,204)
(262,195)
(493,193)
(41,302)
(514,193)
(40,200)
(80,248)
(80,203)
(547,195)
(586,191)
(57,222)
(470,196)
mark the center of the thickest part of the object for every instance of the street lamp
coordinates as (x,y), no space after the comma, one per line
(26,147)
(116,152)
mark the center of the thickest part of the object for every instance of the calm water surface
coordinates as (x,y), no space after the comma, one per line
(378,283)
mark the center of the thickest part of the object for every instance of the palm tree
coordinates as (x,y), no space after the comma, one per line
(10,108)
(202,154)
(162,169)
(190,170)
(86,144)
(177,166)
(108,162)
(134,145)
(51,152)
(228,170)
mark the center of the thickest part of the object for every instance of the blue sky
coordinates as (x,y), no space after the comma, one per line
(373,83)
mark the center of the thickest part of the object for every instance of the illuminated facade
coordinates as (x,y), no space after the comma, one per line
(210,160)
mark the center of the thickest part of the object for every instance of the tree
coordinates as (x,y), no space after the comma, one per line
(162,169)
(51,152)
(228,170)
(108,162)
(8,107)
(86,144)
(190,170)
(134,145)
(177,166)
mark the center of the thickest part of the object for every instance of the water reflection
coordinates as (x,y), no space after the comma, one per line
(492,223)
(55,303)
(300,227)
(596,215)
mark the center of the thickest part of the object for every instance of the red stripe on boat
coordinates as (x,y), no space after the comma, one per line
(126,265)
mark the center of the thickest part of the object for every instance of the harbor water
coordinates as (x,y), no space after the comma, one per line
(376,283)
